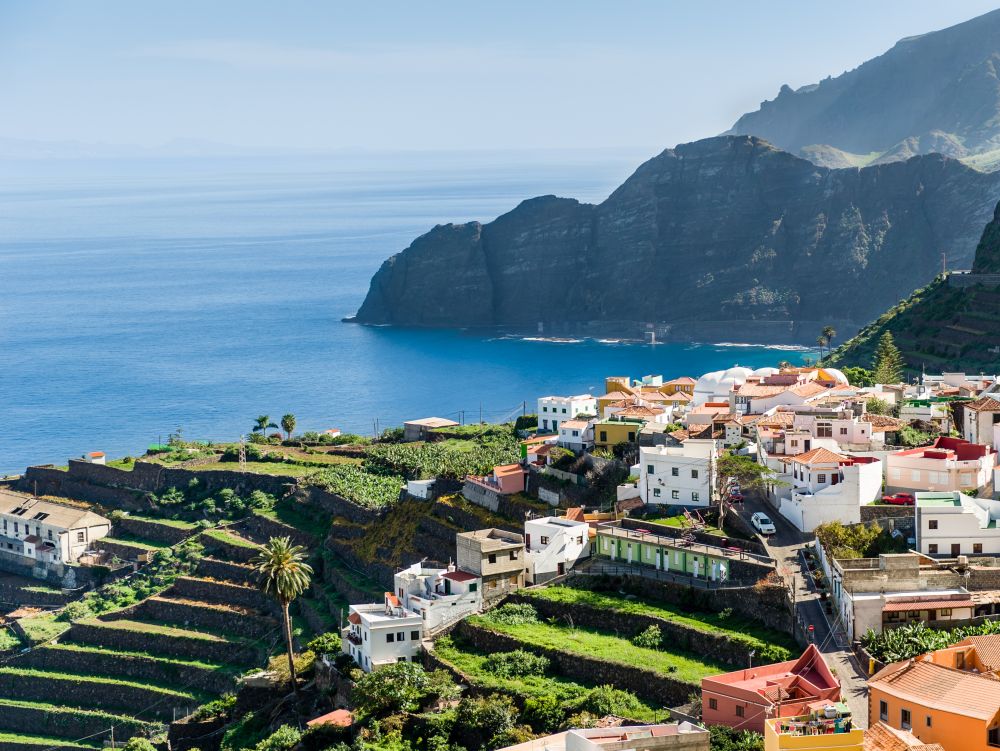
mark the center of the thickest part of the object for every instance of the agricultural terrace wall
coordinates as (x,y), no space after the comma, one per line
(336,505)
(344,587)
(313,617)
(206,735)
(721,646)
(18,592)
(769,604)
(647,684)
(47,480)
(167,644)
(378,572)
(124,550)
(202,616)
(215,591)
(228,550)
(66,723)
(261,528)
(13,745)
(72,692)
(213,568)
(149,530)
(133,666)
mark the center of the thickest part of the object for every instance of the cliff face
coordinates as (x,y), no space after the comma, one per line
(937,92)
(953,323)
(726,229)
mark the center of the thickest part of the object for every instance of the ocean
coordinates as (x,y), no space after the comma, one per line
(145,295)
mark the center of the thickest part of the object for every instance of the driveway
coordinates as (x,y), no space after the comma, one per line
(785,547)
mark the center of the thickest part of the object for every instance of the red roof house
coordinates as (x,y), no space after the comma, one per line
(745,698)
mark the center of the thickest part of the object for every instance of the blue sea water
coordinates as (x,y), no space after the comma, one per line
(141,296)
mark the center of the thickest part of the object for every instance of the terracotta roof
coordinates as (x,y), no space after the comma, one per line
(938,687)
(761,391)
(576,514)
(682,380)
(987,649)
(881,737)
(808,389)
(502,470)
(33,539)
(882,423)
(818,456)
(629,503)
(459,576)
(895,606)
(354,618)
(393,600)
(574,424)
(96,454)
(340,717)
(617,395)
(678,396)
(983,404)
(640,411)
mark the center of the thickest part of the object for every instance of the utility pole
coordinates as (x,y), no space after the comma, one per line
(524,408)
(243,455)
(480,413)
(944,262)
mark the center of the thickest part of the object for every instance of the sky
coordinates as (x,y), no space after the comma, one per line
(435,75)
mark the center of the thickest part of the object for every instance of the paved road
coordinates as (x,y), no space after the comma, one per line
(784,547)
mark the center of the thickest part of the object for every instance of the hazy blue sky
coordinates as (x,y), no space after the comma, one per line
(425,75)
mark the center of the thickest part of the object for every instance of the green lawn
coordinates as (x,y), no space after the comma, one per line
(42,627)
(610,648)
(734,626)
(473,663)
(221,535)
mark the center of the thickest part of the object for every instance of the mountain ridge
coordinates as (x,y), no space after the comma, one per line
(750,231)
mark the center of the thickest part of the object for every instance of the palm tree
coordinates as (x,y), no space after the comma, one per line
(821,341)
(262,423)
(288,424)
(284,575)
(829,333)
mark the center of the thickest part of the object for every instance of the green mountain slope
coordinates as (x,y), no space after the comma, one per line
(943,325)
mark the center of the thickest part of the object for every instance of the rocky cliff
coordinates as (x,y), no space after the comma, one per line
(937,92)
(952,324)
(724,238)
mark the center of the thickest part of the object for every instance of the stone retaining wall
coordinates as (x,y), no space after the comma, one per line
(152,531)
(135,667)
(183,647)
(226,550)
(720,646)
(230,594)
(261,529)
(17,594)
(647,684)
(206,735)
(201,617)
(69,692)
(337,505)
(124,550)
(66,723)
(213,568)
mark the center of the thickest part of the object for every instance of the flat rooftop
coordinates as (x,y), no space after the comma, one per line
(938,499)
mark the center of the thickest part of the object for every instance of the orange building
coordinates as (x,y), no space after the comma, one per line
(746,698)
(951,696)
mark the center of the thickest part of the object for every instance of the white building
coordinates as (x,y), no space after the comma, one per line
(95,457)
(553,545)
(682,736)
(980,418)
(576,435)
(553,410)
(823,486)
(953,524)
(677,475)
(381,634)
(440,596)
(950,464)
(47,532)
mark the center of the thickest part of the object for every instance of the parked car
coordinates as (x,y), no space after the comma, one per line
(736,497)
(763,524)
(899,499)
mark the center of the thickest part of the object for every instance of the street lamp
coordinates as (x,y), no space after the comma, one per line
(752,653)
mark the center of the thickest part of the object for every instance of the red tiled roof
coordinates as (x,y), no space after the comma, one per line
(818,456)
(895,606)
(459,576)
(340,717)
(987,649)
(935,686)
(983,404)
(575,514)
(393,600)
(354,618)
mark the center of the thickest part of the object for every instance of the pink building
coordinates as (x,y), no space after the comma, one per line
(950,464)
(745,698)
(505,479)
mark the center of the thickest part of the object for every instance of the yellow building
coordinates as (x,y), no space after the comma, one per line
(828,727)
(609,432)
(684,384)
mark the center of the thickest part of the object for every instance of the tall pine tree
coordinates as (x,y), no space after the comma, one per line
(888,367)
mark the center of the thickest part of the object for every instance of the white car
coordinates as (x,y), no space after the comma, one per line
(763,524)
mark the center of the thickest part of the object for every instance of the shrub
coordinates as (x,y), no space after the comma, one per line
(325,644)
(281,739)
(605,700)
(543,713)
(513,614)
(139,744)
(217,708)
(650,638)
(400,686)
(485,722)
(516,664)
(75,611)
(725,738)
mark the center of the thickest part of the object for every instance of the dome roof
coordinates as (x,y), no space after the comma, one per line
(841,378)
(719,383)
(766,371)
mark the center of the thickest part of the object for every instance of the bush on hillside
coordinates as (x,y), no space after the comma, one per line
(513,614)
(516,664)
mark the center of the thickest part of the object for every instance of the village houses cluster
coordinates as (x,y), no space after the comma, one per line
(832,452)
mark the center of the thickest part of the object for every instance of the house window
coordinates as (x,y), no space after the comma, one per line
(564,410)
(579,540)
(843,431)
(993,736)
(79,536)
(656,492)
(390,638)
(545,409)
(513,580)
(694,474)
(739,711)
(915,475)
(904,719)
(713,703)
(631,436)
(16,529)
(492,558)
(912,613)
(883,711)
(977,547)
(897,473)
(545,540)
(49,533)
(650,469)
(415,635)
(821,478)
(576,433)
(604,436)
(945,612)
(928,721)
(694,497)
(675,495)
(956,548)
(674,472)
(932,549)
(400,636)
(932,524)
(473,587)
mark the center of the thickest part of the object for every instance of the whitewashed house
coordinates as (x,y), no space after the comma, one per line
(382,634)
(553,410)
(823,486)
(980,417)
(47,532)
(677,475)
(441,596)
(553,545)
(576,435)
(953,524)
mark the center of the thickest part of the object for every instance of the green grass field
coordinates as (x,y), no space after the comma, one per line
(124,653)
(260,468)
(473,664)
(221,535)
(608,647)
(734,626)
(43,627)
(151,628)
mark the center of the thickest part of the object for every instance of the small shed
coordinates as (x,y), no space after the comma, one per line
(418,430)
